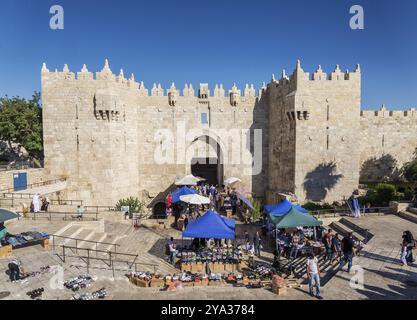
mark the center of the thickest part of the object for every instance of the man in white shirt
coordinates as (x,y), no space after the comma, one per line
(313,274)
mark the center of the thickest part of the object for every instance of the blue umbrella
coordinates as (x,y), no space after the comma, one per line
(7,215)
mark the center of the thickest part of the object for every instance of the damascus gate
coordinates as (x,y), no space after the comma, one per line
(112,136)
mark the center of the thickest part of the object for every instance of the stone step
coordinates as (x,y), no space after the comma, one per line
(412,210)
(355,228)
(345,230)
(408,216)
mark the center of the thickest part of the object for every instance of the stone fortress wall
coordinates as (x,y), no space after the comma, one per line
(102,133)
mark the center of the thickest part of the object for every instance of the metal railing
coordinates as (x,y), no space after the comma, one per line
(100,208)
(346,212)
(62,215)
(109,260)
(13,197)
(36,184)
(77,241)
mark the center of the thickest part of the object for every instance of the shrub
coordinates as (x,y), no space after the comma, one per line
(135,206)
(312,206)
(385,193)
(257,209)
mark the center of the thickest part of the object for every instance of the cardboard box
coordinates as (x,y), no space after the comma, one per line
(188,284)
(6,251)
(142,283)
(277,290)
(45,244)
(156,283)
(218,267)
(185,267)
(198,267)
(216,283)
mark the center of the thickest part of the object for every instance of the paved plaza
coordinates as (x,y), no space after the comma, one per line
(384,277)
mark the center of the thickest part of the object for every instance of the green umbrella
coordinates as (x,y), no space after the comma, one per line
(293,219)
(7,215)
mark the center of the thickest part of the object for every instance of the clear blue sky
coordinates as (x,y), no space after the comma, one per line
(214,41)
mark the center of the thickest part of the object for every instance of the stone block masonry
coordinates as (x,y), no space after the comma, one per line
(102,131)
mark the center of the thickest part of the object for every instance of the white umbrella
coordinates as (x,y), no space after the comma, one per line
(195,199)
(189,180)
(231,180)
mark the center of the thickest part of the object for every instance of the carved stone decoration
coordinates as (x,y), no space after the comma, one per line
(172,95)
(234,96)
(203,91)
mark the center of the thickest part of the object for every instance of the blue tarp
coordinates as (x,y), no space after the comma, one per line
(229,222)
(211,225)
(282,208)
(181,192)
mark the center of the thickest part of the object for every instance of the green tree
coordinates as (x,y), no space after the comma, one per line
(410,170)
(21,125)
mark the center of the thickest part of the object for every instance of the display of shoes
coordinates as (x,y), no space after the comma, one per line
(82,281)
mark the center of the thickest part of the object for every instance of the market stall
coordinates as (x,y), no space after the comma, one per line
(295,219)
(214,257)
(282,208)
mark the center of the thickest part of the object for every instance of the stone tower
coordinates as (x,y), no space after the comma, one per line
(314,125)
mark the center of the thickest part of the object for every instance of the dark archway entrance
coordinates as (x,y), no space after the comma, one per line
(209,167)
(159,210)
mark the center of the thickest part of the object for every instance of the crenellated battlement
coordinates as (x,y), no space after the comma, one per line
(383,112)
(106,74)
(319,76)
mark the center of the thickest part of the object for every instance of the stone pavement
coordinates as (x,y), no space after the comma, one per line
(384,278)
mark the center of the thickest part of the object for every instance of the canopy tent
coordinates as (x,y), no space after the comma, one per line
(181,192)
(244,200)
(231,223)
(189,180)
(231,181)
(194,199)
(282,208)
(7,215)
(211,225)
(293,219)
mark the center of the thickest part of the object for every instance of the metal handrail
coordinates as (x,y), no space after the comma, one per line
(110,254)
(37,184)
(338,212)
(48,215)
(97,208)
(21,195)
(81,240)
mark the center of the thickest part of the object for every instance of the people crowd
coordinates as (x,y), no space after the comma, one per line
(222,200)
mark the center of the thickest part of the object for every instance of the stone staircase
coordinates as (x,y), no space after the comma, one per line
(127,240)
(410,214)
(345,226)
(327,269)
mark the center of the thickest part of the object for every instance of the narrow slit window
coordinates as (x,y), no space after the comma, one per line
(204,118)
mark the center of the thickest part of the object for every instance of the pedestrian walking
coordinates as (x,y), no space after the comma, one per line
(348,252)
(313,274)
(257,241)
